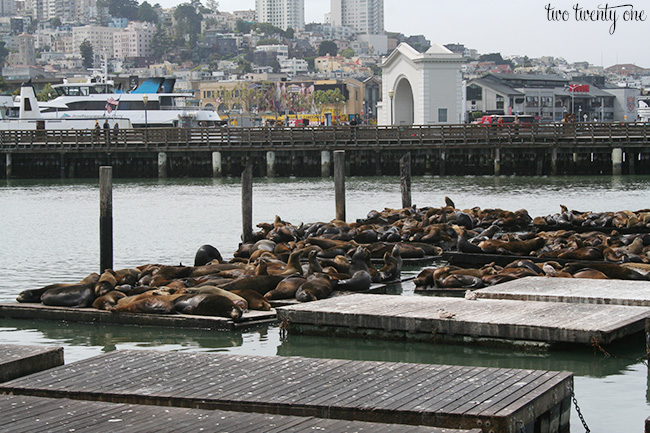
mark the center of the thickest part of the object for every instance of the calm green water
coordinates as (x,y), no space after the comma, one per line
(49,233)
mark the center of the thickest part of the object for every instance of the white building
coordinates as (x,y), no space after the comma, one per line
(281,13)
(134,40)
(282,51)
(364,16)
(421,88)
(293,66)
(101,38)
(7,8)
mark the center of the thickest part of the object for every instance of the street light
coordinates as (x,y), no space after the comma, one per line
(391,93)
(145,99)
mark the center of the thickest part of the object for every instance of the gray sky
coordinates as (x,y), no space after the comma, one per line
(509,26)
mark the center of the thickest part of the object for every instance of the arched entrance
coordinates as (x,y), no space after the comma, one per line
(403,112)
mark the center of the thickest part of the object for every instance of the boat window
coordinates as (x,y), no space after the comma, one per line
(88,105)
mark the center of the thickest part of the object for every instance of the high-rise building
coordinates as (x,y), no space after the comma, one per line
(364,16)
(281,13)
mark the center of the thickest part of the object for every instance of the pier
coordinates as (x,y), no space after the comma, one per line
(541,149)
(491,322)
(18,361)
(450,397)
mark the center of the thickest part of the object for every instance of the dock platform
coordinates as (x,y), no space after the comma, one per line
(483,321)
(575,290)
(17,361)
(92,315)
(490,399)
(21,413)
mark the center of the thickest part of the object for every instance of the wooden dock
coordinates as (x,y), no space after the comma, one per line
(21,413)
(92,315)
(17,361)
(483,321)
(574,290)
(491,399)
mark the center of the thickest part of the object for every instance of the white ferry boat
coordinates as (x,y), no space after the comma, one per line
(152,104)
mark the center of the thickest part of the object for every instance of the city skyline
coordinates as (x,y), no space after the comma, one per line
(511,28)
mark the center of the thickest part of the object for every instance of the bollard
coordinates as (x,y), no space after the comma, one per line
(216,164)
(270,164)
(497,161)
(617,161)
(105,218)
(8,166)
(162,165)
(339,184)
(247,201)
(325,163)
(405,179)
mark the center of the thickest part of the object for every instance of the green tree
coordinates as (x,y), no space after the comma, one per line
(243,27)
(212,6)
(146,12)
(188,23)
(121,8)
(290,33)
(55,22)
(47,93)
(4,52)
(161,45)
(87,54)
(347,53)
(268,41)
(328,47)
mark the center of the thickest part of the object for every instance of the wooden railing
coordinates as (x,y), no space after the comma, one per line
(336,137)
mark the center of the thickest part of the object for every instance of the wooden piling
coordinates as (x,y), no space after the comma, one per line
(497,161)
(405,179)
(339,183)
(62,165)
(105,218)
(8,166)
(617,161)
(631,157)
(162,165)
(443,157)
(325,162)
(216,164)
(554,162)
(247,201)
(270,164)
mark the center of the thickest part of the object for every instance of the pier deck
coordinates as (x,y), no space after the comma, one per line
(92,315)
(574,290)
(21,413)
(484,321)
(492,399)
(17,361)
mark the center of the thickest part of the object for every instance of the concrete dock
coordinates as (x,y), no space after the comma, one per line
(483,321)
(490,399)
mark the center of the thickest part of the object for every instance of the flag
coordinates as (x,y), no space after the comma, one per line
(110,103)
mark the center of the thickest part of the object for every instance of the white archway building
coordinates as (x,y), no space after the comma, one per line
(421,88)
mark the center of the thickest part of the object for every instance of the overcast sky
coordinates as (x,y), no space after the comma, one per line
(509,26)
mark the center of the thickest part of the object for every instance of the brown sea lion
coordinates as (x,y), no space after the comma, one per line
(254,299)
(392,269)
(590,273)
(314,264)
(213,269)
(612,270)
(286,289)
(317,286)
(108,300)
(523,248)
(261,284)
(127,276)
(212,290)
(145,303)
(34,295)
(293,265)
(424,278)
(205,254)
(359,282)
(75,295)
(217,305)
(465,246)
(462,281)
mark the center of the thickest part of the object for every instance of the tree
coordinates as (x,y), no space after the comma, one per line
(244,27)
(212,6)
(188,23)
(290,33)
(121,8)
(146,12)
(55,22)
(268,41)
(161,45)
(4,52)
(87,54)
(47,93)
(328,47)
(347,53)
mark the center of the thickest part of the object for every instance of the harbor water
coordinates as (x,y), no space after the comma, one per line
(50,234)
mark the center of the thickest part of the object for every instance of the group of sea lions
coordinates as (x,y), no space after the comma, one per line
(620,219)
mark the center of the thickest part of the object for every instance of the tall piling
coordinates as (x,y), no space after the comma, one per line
(162,165)
(247,201)
(554,162)
(631,158)
(270,164)
(339,184)
(325,163)
(62,165)
(497,161)
(105,218)
(443,157)
(8,166)
(405,179)
(617,161)
(216,164)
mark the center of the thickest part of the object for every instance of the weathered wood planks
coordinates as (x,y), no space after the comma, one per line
(575,290)
(17,361)
(415,394)
(92,315)
(418,317)
(37,414)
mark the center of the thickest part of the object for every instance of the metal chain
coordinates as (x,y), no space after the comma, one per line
(582,418)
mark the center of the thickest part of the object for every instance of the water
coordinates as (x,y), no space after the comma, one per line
(50,231)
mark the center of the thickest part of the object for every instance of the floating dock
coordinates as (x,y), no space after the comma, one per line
(490,399)
(92,315)
(17,361)
(574,290)
(21,413)
(483,321)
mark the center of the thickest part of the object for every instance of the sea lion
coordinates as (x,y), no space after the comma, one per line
(293,264)
(212,290)
(424,278)
(213,305)
(523,248)
(205,254)
(359,282)
(465,246)
(261,284)
(392,269)
(590,273)
(107,282)
(145,303)
(462,281)
(314,264)
(358,261)
(34,295)
(127,276)
(286,289)
(108,300)
(75,295)
(612,270)
(317,286)
(254,299)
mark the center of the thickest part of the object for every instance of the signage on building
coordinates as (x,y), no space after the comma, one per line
(581,88)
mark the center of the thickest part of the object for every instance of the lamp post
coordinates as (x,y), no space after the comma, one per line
(391,94)
(145,99)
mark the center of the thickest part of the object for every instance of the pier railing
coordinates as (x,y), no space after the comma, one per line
(321,137)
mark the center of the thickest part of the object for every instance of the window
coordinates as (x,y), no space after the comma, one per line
(442,115)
